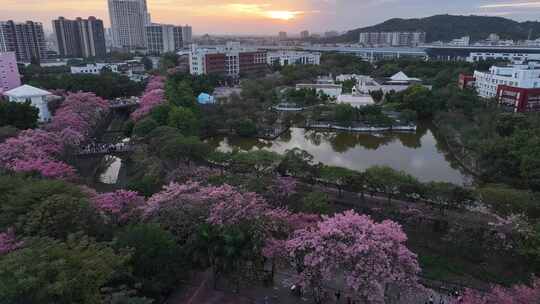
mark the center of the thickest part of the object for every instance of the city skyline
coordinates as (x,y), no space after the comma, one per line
(270,17)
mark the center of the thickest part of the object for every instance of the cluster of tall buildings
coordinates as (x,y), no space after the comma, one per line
(26,40)
(80,37)
(392,38)
(131,29)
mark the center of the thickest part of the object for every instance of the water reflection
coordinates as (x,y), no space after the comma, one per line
(419,153)
(112,170)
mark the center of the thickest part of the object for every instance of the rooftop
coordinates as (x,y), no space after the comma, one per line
(26,91)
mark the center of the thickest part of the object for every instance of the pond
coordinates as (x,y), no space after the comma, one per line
(420,154)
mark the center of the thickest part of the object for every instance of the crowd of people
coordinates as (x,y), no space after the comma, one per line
(105,148)
(119,102)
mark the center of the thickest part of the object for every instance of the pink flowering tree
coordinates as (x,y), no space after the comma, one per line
(518,294)
(81,113)
(153,96)
(233,231)
(35,151)
(120,206)
(352,250)
(8,242)
(48,168)
(41,150)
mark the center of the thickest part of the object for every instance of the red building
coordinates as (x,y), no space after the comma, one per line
(252,62)
(518,99)
(215,64)
(466,81)
(233,64)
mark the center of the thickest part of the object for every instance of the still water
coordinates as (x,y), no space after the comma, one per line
(418,153)
(112,170)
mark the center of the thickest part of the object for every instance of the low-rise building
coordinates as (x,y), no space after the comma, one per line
(526,76)
(512,57)
(231,60)
(284,58)
(37,98)
(397,83)
(332,90)
(518,99)
(356,101)
(94,68)
(463,41)
(9,73)
(466,81)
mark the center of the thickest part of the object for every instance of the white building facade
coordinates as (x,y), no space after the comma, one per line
(94,69)
(128,21)
(284,58)
(160,38)
(518,75)
(517,58)
(332,90)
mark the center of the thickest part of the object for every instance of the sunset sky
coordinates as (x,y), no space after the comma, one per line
(271,16)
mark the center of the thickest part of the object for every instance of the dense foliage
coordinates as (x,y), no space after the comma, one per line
(19,115)
(106,85)
(448,27)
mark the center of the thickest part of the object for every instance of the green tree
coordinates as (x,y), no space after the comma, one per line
(184,120)
(144,127)
(377,95)
(387,180)
(181,148)
(299,163)
(161,114)
(420,99)
(180,94)
(260,162)
(168,61)
(60,215)
(506,201)
(148,65)
(155,257)
(337,176)
(20,115)
(345,114)
(246,127)
(316,202)
(229,250)
(19,196)
(49,271)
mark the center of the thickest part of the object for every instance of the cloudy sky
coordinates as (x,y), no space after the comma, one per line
(271,16)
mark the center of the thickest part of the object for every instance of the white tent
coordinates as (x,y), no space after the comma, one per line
(37,97)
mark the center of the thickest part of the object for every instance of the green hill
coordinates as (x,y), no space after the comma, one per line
(448,27)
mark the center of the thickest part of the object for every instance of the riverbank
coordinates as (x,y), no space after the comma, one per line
(458,152)
(362,129)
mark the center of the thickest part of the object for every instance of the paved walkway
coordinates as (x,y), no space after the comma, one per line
(200,291)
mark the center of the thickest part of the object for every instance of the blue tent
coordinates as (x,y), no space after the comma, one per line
(205,99)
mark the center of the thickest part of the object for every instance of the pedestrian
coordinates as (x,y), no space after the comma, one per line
(338,295)
(431,300)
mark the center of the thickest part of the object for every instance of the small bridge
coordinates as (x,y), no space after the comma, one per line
(104,149)
(124,103)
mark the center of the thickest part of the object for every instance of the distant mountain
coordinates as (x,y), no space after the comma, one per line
(448,27)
